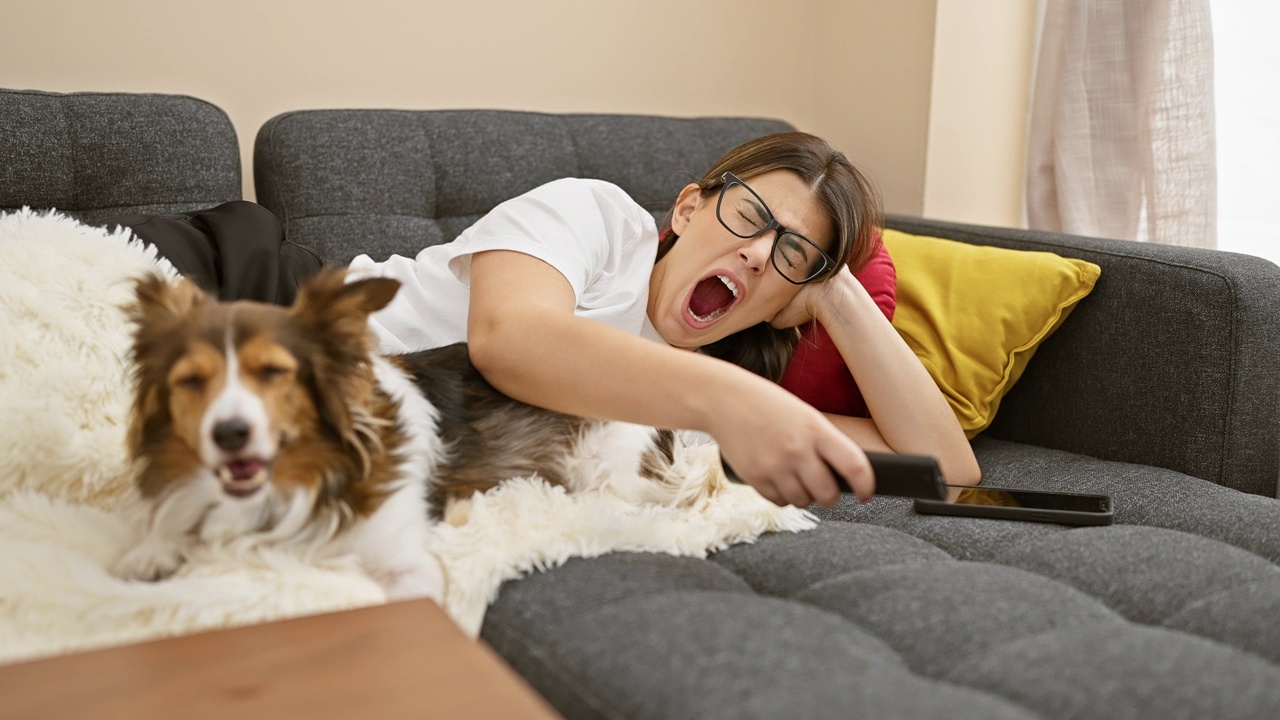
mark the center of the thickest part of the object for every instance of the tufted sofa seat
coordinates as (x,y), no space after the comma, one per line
(881,612)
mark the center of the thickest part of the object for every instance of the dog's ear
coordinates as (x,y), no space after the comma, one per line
(337,315)
(156,298)
(339,308)
(329,291)
(375,293)
(146,405)
(159,308)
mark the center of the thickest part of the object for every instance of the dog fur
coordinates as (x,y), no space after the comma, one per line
(253,423)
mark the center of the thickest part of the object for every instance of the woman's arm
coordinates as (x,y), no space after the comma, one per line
(524,337)
(908,412)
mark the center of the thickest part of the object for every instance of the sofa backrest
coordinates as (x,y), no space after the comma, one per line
(100,155)
(345,182)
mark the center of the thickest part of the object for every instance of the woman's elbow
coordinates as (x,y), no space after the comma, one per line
(485,348)
(964,470)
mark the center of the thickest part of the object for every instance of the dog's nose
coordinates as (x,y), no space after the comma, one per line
(231,435)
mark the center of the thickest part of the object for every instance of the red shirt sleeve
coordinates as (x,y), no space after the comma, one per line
(817,374)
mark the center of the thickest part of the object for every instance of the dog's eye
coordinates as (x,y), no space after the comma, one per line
(190,382)
(271,372)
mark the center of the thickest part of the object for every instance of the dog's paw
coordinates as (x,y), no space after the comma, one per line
(149,561)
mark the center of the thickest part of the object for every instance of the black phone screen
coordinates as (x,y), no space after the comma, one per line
(1034,499)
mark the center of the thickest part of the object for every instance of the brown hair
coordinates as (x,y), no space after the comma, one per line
(848,196)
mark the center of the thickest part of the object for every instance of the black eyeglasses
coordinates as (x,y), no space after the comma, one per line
(741,211)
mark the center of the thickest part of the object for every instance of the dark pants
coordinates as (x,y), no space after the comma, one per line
(236,250)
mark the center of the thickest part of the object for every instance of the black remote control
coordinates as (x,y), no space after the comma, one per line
(915,476)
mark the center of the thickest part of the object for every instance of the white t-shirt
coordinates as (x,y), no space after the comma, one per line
(591,231)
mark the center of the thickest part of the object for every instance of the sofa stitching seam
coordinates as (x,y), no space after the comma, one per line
(271,168)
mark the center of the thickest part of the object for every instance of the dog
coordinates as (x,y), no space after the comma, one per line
(261,424)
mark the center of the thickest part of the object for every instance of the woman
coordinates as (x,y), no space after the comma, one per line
(561,292)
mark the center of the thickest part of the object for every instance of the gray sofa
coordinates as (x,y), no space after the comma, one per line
(1162,390)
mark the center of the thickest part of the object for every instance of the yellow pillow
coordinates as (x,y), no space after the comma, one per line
(975,315)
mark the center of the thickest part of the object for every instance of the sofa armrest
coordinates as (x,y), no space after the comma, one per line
(1173,360)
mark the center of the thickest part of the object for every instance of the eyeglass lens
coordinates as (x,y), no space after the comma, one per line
(744,214)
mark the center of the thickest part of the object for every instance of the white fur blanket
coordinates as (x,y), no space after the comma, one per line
(67,508)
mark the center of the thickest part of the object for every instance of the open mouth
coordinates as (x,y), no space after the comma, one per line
(711,298)
(242,478)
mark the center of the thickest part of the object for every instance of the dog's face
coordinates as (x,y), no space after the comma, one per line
(224,390)
(235,405)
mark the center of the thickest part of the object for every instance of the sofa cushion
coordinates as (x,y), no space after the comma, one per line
(383,182)
(651,636)
(1168,613)
(975,315)
(1142,495)
(1139,672)
(1086,622)
(97,155)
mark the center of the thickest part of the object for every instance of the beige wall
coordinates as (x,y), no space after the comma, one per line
(978,111)
(860,72)
(872,99)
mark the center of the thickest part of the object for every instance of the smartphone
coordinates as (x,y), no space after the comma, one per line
(914,476)
(1034,505)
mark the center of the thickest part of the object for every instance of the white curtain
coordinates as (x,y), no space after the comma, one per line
(1122,131)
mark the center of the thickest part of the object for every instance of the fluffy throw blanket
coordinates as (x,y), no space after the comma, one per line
(67,508)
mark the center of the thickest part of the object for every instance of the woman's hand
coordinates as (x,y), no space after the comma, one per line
(813,298)
(786,449)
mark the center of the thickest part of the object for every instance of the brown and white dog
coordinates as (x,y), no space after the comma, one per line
(284,426)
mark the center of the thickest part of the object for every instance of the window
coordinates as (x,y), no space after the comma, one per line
(1247,100)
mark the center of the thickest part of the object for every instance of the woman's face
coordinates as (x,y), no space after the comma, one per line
(712,283)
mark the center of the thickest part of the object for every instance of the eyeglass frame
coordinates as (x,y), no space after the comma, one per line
(827,261)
